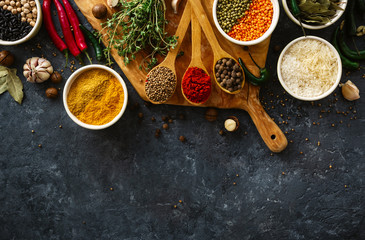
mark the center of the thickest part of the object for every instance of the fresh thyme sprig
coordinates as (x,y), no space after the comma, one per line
(139,24)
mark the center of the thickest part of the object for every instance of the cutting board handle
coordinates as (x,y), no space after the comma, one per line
(269,131)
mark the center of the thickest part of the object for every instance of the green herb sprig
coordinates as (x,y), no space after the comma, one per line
(139,24)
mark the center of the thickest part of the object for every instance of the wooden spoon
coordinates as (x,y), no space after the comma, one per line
(196,55)
(218,52)
(169,61)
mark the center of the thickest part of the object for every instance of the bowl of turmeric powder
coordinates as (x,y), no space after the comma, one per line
(95,97)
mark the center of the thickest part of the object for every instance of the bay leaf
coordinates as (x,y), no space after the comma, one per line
(3,84)
(15,86)
(3,71)
(318,11)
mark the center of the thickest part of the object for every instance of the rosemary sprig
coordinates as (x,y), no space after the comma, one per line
(140,24)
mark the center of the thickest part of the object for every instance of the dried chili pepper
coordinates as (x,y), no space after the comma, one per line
(65,25)
(52,32)
(196,85)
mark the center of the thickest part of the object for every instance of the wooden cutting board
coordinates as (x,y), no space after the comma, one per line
(247,99)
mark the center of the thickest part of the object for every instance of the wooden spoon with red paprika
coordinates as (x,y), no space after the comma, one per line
(196,84)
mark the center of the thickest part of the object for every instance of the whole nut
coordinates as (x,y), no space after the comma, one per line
(211,114)
(52,92)
(231,124)
(99,11)
(56,77)
(6,58)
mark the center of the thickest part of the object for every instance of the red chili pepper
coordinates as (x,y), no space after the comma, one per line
(75,23)
(65,25)
(52,32)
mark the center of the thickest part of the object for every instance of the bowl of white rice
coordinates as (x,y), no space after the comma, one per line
(309,68)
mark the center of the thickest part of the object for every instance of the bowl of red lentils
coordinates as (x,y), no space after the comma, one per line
(20,20)
(246,22)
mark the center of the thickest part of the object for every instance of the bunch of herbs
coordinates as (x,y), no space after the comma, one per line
(139,24)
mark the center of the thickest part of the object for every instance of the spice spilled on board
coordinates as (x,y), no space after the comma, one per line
(196,85)
(160,84)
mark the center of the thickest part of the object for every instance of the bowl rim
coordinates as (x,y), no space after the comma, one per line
(36,27)
(314,27)
(274,22)
(323,95)
(69,83)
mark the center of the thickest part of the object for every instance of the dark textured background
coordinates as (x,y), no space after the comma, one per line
(123,183)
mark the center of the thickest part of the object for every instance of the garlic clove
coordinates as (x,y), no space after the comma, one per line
(113,3)
(33,62)
(350,91)
(43,76)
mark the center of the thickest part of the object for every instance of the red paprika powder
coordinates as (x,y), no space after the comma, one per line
(196,85)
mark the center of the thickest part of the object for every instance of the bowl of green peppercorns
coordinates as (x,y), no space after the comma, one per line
(246,22)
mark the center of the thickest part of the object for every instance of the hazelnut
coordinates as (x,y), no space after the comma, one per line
(99,11)
(211,114)
(231,124)
(56,77)
(6,58)
(52,92)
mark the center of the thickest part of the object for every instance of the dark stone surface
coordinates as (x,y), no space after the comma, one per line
(123,183)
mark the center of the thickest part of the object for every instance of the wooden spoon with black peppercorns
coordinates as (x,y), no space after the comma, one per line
(219,53)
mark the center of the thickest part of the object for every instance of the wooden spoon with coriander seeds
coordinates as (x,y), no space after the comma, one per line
(196,60)
(218,52)
(160,93)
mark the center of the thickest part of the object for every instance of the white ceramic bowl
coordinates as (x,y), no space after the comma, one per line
(343,4)
(275,19)
(74,76)
(330,90)
(34,30)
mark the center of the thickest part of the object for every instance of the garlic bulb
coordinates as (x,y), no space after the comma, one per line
(350,91)
(175,5)
(113,3)
(37,70)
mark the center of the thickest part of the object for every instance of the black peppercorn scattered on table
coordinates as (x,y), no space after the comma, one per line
(56,177)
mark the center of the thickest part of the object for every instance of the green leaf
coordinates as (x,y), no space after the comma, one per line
(3,84)
(3,71)
(15,86)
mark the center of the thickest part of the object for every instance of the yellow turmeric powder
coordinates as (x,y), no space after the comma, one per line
(95,97)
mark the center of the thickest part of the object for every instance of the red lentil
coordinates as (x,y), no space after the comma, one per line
(255,23)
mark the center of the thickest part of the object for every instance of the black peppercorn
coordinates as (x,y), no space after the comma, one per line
(157,133)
